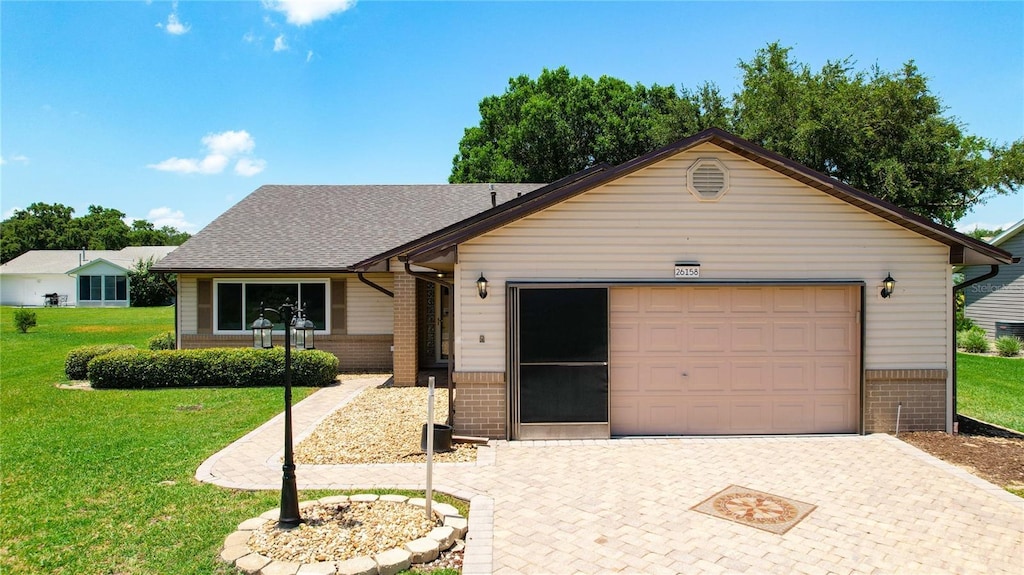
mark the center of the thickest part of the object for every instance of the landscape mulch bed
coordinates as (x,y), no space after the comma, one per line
(998,460)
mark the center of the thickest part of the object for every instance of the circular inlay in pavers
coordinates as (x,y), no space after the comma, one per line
(238,551)
(755,508)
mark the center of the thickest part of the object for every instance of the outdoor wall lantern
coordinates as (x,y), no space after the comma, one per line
(481,286)
(262,330)
(888,285)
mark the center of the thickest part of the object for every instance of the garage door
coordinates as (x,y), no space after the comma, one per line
(721,360)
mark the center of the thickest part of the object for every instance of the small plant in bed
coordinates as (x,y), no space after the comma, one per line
(973,340)
(1008,346)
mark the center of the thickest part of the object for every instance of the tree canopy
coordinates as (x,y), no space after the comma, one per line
(43,226)
(882,132)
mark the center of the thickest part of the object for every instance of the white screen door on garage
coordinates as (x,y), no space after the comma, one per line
(719,360)
(559,359)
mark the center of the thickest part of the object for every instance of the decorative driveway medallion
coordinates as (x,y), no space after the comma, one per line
(755,508)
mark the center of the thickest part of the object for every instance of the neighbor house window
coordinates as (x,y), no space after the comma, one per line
(102,288)
(237,302)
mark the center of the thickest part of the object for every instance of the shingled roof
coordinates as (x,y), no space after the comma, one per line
(328,228)
(36,262)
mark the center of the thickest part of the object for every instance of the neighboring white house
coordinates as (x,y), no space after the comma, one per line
(84,278)
(997,304)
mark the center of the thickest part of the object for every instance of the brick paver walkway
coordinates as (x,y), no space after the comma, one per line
(623,505)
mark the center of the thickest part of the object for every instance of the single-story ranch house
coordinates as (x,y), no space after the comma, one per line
(83,278)
(997,302)
(708,287)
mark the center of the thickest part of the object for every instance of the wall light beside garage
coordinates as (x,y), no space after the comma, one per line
(888,285)
(481,286)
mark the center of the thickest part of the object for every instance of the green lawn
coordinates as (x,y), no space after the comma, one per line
(991,389)
(101,481)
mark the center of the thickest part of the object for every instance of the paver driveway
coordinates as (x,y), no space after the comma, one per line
(624,505)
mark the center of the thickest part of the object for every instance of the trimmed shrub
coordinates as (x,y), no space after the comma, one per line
(973,340)
(212,367)
(1009,346)
(76,364)
(24,319)
(164,340)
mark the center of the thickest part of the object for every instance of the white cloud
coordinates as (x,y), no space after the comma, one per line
(229,143)
(249,166)
(17,158)
(221,148)
(9,213)
(249,37)
(174,26)
(309,56)
(303,12)
(280,44)
(164,216)
(968,228)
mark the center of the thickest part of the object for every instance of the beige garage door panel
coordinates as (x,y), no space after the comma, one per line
(734,360)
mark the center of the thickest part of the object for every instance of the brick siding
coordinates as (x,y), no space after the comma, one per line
(922,393)
(355,352)
(480,408)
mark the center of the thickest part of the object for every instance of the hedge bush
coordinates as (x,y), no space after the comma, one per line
(973,340)
(77,361)
(1009,346)
(164,340)
(212,367)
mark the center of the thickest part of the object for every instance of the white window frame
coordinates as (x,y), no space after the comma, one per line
(216,302)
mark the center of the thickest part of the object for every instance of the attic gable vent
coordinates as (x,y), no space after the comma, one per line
(707,179)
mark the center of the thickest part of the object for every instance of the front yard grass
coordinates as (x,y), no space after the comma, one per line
(102,481)
(991,389)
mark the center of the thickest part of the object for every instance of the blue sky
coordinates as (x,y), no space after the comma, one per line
(175,111)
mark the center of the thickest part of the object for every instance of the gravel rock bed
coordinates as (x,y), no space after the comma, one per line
(381,425)
(342,531)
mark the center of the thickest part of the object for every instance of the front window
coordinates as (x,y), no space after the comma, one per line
(238,302)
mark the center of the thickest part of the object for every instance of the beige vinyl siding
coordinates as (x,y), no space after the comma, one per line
(369,311)
(766,227)
(1000,298)
(187,302)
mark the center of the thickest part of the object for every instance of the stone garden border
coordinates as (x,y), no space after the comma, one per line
(423,550)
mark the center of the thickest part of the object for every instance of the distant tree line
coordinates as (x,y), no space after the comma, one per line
(43,226)
(883,132)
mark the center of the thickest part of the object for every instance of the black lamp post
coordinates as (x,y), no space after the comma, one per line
(262,332)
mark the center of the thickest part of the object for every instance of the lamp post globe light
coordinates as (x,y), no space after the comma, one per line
(300,332)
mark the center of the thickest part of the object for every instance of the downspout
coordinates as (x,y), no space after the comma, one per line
(960,287)
(451,333)
(379,288)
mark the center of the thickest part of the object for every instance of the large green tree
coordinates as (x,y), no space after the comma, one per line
(541,130)
(149,288)
(883,132)
(43,226)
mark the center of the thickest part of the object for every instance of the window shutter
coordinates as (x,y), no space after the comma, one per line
(339,323)
(204,306)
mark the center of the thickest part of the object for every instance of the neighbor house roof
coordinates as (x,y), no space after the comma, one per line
(328,228)
(1009,233)
(963,249)
(39,262)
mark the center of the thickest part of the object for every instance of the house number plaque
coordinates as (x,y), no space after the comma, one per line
(687,271)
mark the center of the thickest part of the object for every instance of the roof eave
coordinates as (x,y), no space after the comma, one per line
(252,271)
